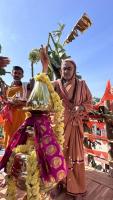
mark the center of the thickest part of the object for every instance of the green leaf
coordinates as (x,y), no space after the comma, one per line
(2,71)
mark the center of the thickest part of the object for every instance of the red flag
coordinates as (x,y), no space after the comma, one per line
(107,94)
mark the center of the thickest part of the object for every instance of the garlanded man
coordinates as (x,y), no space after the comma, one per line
(77,101)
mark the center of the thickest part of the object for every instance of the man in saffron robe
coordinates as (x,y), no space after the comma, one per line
(13,114)
(77,101)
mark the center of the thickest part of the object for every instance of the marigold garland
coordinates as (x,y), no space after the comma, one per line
(58,108)
(10,180)
(32,179)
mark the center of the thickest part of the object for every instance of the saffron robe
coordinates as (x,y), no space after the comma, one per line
(74,93)
(15,115)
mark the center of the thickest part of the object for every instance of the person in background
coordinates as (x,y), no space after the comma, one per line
(12,112)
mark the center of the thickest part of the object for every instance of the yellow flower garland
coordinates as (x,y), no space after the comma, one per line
(58,108)
(10,180)
(32,179)
(33,174)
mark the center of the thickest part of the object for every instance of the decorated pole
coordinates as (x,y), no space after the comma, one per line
(56,50)
(83,24)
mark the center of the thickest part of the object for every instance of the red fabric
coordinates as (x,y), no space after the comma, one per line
(1,119)
(100,154)
(98,124)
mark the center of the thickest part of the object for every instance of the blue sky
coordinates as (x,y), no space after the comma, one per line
(25,24)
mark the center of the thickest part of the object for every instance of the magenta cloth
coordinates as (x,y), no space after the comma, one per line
(49,154)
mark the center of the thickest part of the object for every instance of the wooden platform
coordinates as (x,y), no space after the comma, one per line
(99,187)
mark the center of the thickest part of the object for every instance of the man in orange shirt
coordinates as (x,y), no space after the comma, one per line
(13,114)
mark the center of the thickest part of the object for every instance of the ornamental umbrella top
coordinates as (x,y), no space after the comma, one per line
(4,61)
